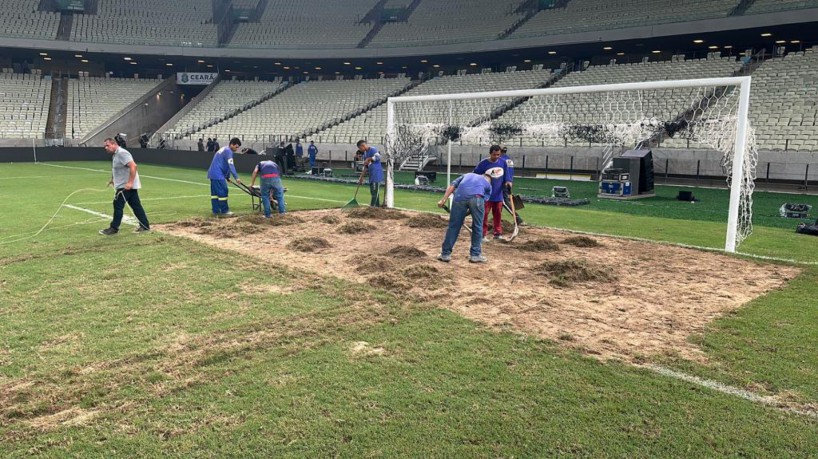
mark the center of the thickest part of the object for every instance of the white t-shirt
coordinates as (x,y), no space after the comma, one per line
(120,170)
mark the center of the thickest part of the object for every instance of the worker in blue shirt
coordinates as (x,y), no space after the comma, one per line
(312,150)
(221,169)
(372,161)
(299,155)
(470,194)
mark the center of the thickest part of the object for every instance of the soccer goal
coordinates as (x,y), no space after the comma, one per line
(705,114)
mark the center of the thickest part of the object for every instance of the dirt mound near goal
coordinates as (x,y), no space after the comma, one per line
(427,221)
(537,245)
(355,228)
(405,251)
(582,241)
(565,273)
(376,213)
(309,244)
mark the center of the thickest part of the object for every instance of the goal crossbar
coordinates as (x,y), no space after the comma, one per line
(740,143)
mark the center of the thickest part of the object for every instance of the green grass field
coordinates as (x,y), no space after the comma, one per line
(151,345)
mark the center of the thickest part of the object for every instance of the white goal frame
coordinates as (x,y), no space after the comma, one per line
(742,128)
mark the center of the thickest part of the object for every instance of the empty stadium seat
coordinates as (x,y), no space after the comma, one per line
(784,102)
(589,15)
(225,98)
(454,21)
(20,18)
(24,105)
(590,108)
(148,22)
(306,107)
(372,124)
(307,24)
(92,101)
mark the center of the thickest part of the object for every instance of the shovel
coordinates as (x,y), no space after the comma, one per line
(449,211)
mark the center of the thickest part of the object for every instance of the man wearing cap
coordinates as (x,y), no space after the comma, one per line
(220,171)
(494,203)
(470,193)
(508,182)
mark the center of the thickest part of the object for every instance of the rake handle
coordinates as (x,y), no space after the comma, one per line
(360,180)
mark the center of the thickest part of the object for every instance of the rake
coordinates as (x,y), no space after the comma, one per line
(354,201)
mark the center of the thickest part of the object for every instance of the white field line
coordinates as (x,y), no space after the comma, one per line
(26,177)
(185,181)
(170,198)
(127,219)
(729,390)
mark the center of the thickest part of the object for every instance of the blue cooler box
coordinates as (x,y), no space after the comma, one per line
(612,187)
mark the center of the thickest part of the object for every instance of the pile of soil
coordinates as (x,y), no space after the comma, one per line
(331,219)
(582,241)
(232,229)
(427,221)
(355,228)
(537,245)
(373,264)
(275,220)
(376,213)
(405,251)
(420,272)
(308,244)
(421,276)
(566,272)
(194,223)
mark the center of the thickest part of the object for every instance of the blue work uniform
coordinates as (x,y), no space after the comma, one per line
(221,168)
(375,175)
(313,152)
(471,191)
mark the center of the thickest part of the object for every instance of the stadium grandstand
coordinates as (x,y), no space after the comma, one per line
(281,69)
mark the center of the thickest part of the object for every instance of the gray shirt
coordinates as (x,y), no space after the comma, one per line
(120,170)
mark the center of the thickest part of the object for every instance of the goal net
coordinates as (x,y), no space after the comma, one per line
(702,114)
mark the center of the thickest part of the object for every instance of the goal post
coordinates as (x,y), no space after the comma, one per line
(710,112)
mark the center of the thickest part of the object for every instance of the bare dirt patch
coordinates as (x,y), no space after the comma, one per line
(376,213)
(425,220)
(536,245)
(362,348)
(630,300)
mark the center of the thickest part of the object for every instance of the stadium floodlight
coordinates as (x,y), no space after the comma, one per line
(708,113)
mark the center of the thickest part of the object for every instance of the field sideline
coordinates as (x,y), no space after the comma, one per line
(156,345)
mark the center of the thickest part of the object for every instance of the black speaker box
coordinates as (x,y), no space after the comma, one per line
(639,164)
